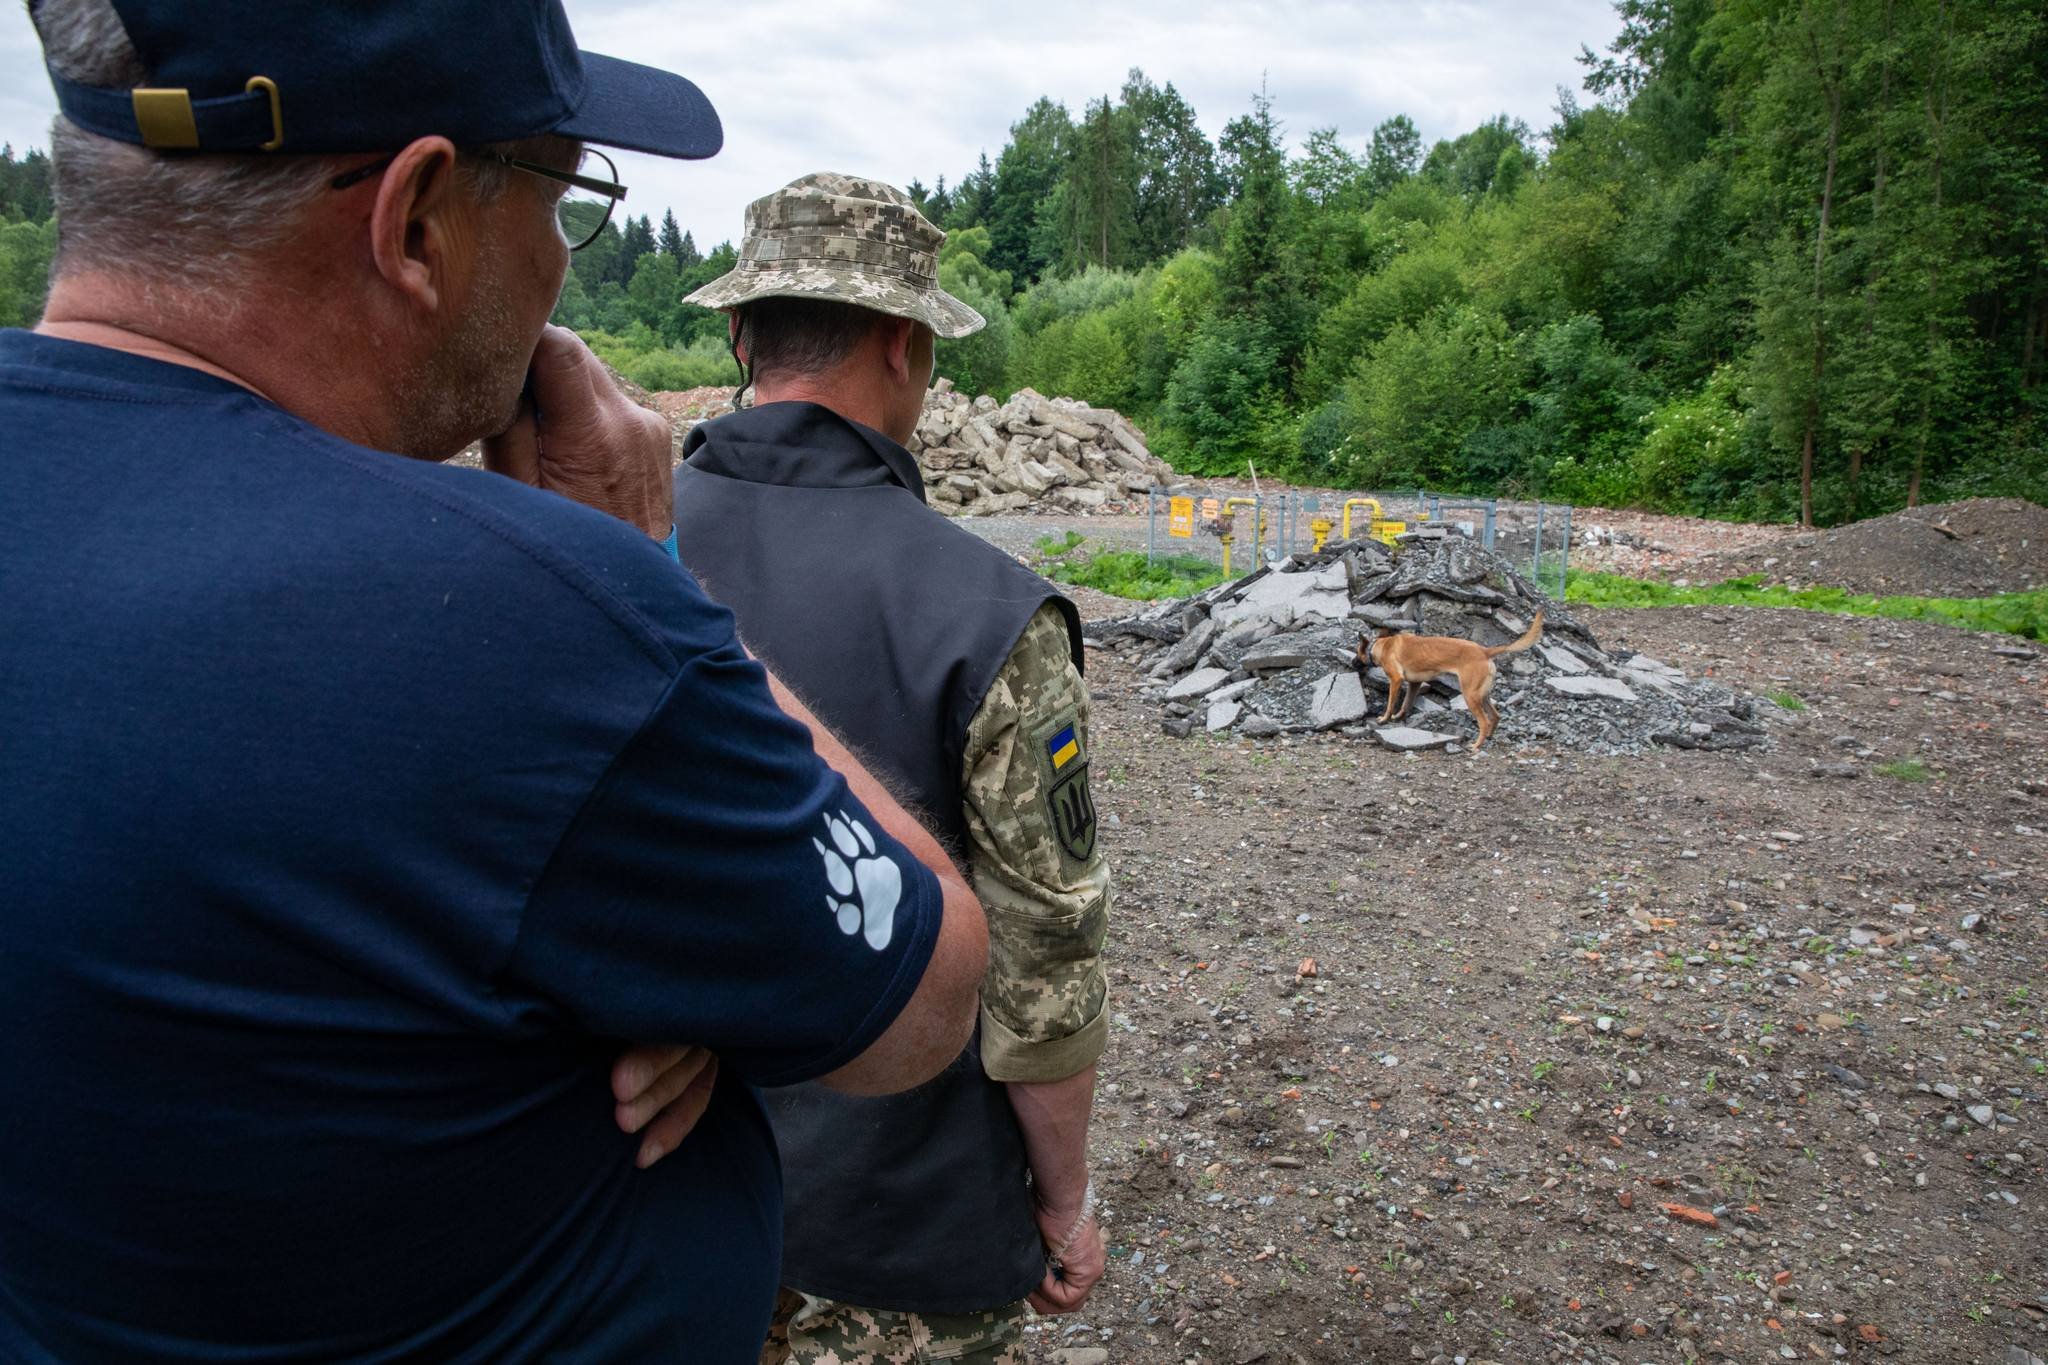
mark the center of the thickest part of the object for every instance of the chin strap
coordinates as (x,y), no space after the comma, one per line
(735,338)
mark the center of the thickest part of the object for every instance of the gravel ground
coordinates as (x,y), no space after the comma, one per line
(1639,544)
(1959,549)
(1410,1054)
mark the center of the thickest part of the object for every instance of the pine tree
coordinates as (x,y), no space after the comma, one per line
(1099,198)
(670,243)
(637,241)
(973,197)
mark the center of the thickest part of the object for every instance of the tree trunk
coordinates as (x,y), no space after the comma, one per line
(1870,278)
(1820,250)
(2037,327)
(1937,121)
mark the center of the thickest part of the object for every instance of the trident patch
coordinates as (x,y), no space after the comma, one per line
(1068,802)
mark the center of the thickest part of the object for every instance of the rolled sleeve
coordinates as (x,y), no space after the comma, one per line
(1037,865)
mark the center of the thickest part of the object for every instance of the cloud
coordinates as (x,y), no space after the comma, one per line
(902,92)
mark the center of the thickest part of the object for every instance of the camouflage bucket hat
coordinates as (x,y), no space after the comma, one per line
(840,237)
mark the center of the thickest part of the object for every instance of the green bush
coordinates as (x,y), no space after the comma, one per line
(1230,371)
(1685,441)
(1425,390)
(639,355)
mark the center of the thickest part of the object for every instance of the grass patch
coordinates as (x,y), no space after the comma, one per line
(2013,613)
(1905,770)
(1124,573)
(1787,701)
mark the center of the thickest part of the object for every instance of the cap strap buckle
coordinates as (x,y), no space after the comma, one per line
(268,87)
(164,117)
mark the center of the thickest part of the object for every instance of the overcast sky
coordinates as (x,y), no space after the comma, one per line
(902,91)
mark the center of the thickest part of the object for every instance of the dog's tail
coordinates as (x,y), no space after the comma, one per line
(1528,638)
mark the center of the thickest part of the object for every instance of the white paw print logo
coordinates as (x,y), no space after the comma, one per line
(866,888)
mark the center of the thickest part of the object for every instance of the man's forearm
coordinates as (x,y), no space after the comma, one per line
(1053,1116)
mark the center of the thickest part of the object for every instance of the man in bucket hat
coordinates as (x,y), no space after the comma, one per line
(911,1231)
(358,807)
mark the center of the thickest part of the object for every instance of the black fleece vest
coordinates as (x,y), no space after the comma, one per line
(890,623)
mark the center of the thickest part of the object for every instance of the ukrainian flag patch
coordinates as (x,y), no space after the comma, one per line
(1063,749)
(1069,806)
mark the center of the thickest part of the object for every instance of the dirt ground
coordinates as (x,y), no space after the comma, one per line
(1411,1054)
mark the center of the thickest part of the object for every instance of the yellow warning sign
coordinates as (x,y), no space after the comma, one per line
(1212,508)
(1180,514)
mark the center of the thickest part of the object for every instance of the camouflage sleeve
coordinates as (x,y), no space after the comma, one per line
(1035,863)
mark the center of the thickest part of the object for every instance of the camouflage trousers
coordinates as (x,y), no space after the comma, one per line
(814,1331)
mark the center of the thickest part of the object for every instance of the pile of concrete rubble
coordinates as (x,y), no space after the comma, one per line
(1274,652)
(980,457)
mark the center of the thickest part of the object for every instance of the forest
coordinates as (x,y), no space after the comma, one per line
(1778,260)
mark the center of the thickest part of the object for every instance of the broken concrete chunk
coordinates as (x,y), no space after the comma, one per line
(1337,700)
(1561,659)
(1408,739)
(1579,686)
(1199,683)
(1295,648)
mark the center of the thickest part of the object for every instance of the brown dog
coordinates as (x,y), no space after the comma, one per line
(1412,660)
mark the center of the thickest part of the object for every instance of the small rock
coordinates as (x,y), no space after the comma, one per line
(1409,739)
(1081,1355)
(1842,1075)
(1972,922)
(1257,726)
(1983,1114)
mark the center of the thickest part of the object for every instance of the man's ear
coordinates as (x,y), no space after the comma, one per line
(416,233)
(735,337)
(898,336)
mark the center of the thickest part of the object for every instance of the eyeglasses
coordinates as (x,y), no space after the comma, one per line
(580,214)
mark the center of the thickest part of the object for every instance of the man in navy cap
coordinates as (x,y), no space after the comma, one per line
(359,809)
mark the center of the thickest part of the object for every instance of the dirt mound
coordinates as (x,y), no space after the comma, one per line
(1274,652)
(1973,548)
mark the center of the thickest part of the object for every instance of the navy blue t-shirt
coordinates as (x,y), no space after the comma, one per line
(353,809)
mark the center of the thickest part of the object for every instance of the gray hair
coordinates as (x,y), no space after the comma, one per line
(191,220)
(802,336)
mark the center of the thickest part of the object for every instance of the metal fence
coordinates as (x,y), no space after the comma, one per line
(1241,531)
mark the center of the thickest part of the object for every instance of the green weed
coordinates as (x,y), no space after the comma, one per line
(1124,573)
(2012,613)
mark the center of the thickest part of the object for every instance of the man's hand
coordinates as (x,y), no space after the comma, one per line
(664,1090)
(1064,1290)
(578,435)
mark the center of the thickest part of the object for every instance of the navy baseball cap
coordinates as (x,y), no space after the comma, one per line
(372,75)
